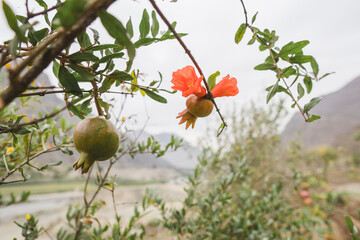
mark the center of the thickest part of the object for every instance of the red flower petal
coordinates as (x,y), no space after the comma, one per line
(186,81)
(187,117)
(225,88)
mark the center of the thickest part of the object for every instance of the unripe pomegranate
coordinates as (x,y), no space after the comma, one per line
(96,139)
(199,107)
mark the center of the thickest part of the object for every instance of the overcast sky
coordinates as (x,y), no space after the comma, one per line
(332,27)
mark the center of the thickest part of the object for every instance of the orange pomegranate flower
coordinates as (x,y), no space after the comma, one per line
(187,117)
(186,81)
(226,87)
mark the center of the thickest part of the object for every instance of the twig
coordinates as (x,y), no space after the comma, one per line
(5,163)
(45,57)
(274,61)
(31,15)
(96,98)
(14,127)
(187,51)
(115,210)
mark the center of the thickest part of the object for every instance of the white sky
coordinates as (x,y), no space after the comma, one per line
(332,27)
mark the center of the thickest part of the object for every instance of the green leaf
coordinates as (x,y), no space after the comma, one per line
(301,59)
(44,5)
(111,56)
(70,12)
(120,75)
(154,25)
(84,74)
(313,102)
(292,48)
(313,118)
(325,75)
(272,92)
(84,40)
(212,80)
(265,66)
(103,46)
(144,26)
(308,84)
(300,90)
(154,95)
(37,36)
(12,22)
(76,111)
(144,42)
(115,28)
(129,28)
(83,57)
(55,68)
(106,85)
(287,72)
(68,81)
(254,18)
(315,67)
(240,33)
(96,35)
(252,41)
(22,131)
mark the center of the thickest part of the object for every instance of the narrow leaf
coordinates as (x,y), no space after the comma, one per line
(212,80)
(254,18)
(265,66)
(144,26)
(83,57)
(240,33)
(313,118)
(313,102)
(300,90)
(115,28)
(154,95)
(111,56)
(292,48)
(154,25)
(68,81)
(120,75)
(272,92)
(308,84)
(129,28)
(315,67)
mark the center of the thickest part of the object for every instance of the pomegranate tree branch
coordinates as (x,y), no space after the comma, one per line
(279,71)
(187,51)
(96,98)
(14,127)
(44,57)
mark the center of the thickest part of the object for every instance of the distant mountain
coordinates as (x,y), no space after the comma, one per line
(340,117)
(184,157)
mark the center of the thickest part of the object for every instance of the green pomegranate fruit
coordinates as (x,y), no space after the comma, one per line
(199,107)
(96,139)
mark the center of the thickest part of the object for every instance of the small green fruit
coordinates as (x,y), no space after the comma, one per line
(199,107)
(96,139)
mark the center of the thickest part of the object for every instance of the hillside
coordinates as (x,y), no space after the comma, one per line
(340,116)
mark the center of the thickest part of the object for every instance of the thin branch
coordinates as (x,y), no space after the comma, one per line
(14,127)
(274,61)
(52,149)
(96,98)
(64,38)
(187,51)
(31,15)
(5,163)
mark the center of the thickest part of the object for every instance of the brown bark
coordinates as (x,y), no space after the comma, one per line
(19,84)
